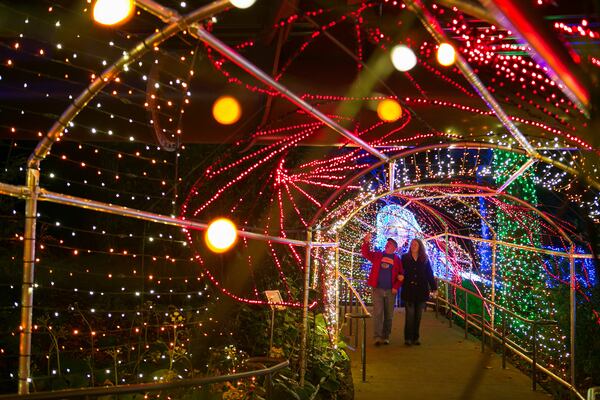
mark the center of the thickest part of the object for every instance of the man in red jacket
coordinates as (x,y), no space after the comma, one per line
(385,278)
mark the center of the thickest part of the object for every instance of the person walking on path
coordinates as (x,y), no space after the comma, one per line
(419,284)
(385,278)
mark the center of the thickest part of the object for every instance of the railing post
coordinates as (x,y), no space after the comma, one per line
(337,286)
(346,296)
(304,333)
(466,315)
(482,325)
(493,298)
(29,238)
(351,295)
(269,385)
(503,341)
(356,335)
(437,305)
(363,352)
(449,303)
(534,357)
(573,313)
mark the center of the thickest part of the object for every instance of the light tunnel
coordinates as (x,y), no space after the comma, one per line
(492,161)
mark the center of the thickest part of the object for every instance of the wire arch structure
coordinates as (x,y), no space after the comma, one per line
(302,189)
(549,244)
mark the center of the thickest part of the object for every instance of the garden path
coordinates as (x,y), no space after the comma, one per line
(444,366)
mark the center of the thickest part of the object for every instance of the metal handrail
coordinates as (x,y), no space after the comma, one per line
(145,387)
(506,343)
(364,314)
(356,294)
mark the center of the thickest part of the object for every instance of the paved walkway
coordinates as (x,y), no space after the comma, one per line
(445,366)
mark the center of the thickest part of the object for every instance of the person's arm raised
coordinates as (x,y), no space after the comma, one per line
(365,248)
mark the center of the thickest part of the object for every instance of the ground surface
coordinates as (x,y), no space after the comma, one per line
(444,366)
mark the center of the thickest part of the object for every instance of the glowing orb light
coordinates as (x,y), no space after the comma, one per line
(446,55)
(227,110)
(403,58)
(220,235)
(389,110)
(112,12)
(242,3)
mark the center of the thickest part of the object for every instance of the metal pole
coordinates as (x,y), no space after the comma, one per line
(392,175)
(434,28)
(269,385)
(45,195)
(558,63)
(518,173)
(466,314)
(573,308)
(446,288)
(494,249)
(272,326)
(346,295)
(534,358)
(364,350)
(27,284)
(351,295)
(450,308)
(504,341)
(356,335)
(256,72)
(482,325)
(446,255)
(305,309)
(336,273)
(182,23)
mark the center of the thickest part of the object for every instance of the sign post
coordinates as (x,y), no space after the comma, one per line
(274,299)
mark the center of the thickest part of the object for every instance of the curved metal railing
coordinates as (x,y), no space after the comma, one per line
(150,387)
(488,331)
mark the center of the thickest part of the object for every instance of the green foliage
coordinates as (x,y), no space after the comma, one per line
(328,369)
(587,333)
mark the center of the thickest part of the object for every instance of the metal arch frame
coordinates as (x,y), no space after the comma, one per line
(387,193)
(168,15)
(491,192)
(33,193)
(434,28)
(23,192)
(458,145)
(176,25)
(573,87)
(488,192)
(42,149)
(430,24)
(493,243)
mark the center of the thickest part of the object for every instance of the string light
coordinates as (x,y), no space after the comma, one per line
(226,110)
(242,3)
(276,187)
(403,58)
(389,110)
(446,55)
(221,234)
(111,12)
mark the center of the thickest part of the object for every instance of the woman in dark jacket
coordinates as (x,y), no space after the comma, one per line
(418,283)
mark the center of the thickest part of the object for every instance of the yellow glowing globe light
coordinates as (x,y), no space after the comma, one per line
(227,110)
(389,110)
(112,12)
(220,235)
(446,55)
(242,3)
(403,58)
